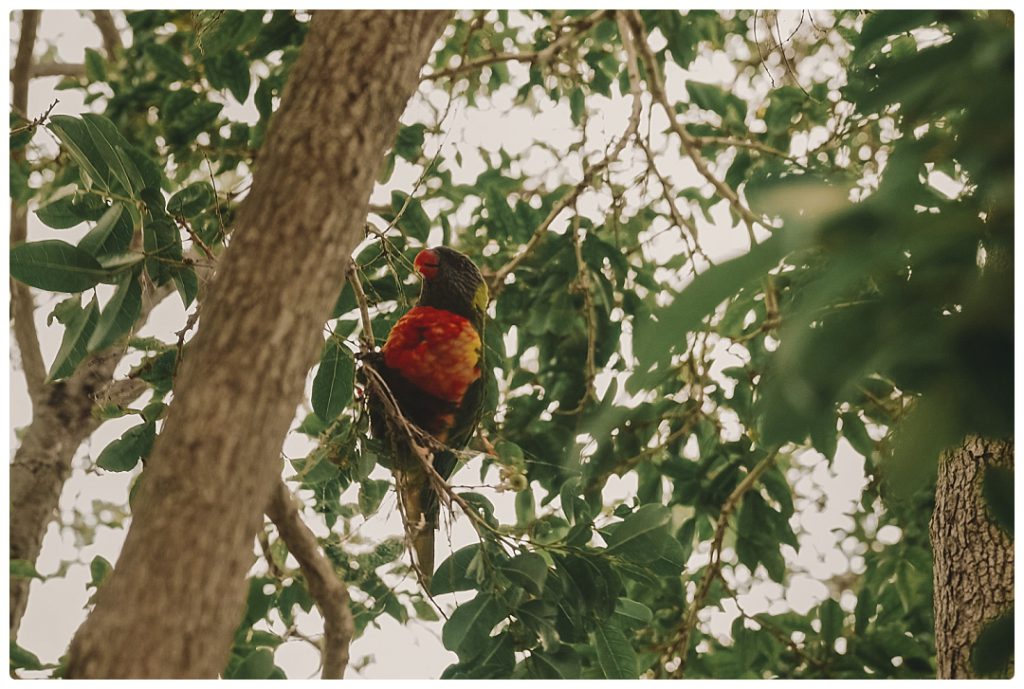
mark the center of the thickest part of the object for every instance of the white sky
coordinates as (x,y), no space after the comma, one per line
(56,607)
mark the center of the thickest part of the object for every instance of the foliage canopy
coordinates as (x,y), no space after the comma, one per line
(870,305)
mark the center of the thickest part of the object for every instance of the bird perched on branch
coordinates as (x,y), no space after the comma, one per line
(432,363)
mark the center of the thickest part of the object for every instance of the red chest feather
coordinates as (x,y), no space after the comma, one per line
(436,350)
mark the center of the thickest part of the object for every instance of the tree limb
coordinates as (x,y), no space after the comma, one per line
(690,143)
(328,591)
(22,305)
(680,646)
(532,57)
(108,29)
(496,279)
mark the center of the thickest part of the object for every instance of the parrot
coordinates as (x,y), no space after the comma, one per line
(433,362)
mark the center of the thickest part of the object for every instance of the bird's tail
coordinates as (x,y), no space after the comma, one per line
(419,523)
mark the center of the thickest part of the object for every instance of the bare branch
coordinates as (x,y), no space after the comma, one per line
(328,591)
(23,60)
(108,29)
(22,304)
(58,69)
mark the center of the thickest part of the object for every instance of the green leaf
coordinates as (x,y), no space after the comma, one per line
(824,436)
(95,70)
(997,487)
(654,338)
(409,144)
(371,492)
(56,266)
(113,148)
(529,570)
(77,332)
(452,574)
(577,104)
(993,651)
(59,214)
(100,569)
(125,452)
(167,61)
(467,631)
(333,384)
(75,137)
(230,70)
(414,219)
(632,614)
(118,316)
(259,664)
(615,654)
(831,616)
(635,531)
(24,569)
(111,236)
(857,435)
(162,244)
(192,200)
(187,284)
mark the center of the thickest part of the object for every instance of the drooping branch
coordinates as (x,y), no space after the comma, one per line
(328,591)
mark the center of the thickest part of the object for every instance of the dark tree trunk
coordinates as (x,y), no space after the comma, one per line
(177,592)
(973,556)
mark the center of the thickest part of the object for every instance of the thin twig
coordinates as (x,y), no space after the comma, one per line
(680,646)
(37,121)
(496,279)
(327,589)
(540,57)
(689,141)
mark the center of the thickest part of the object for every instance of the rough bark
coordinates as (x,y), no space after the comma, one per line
(171,605)
(973,574)
(61,421)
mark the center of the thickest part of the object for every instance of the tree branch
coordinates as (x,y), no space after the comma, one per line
(108,29)
(533,57)
(328,591)
(496,280)
(690,143)
(22,305)
(682,641)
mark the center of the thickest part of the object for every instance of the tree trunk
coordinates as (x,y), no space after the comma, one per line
(973,556)
(177,593)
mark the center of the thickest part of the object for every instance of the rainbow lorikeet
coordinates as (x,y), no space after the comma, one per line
(432,362)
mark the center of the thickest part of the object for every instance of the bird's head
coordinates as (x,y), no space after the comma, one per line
(451,281)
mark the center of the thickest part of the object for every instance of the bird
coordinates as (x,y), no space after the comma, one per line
(433,365)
